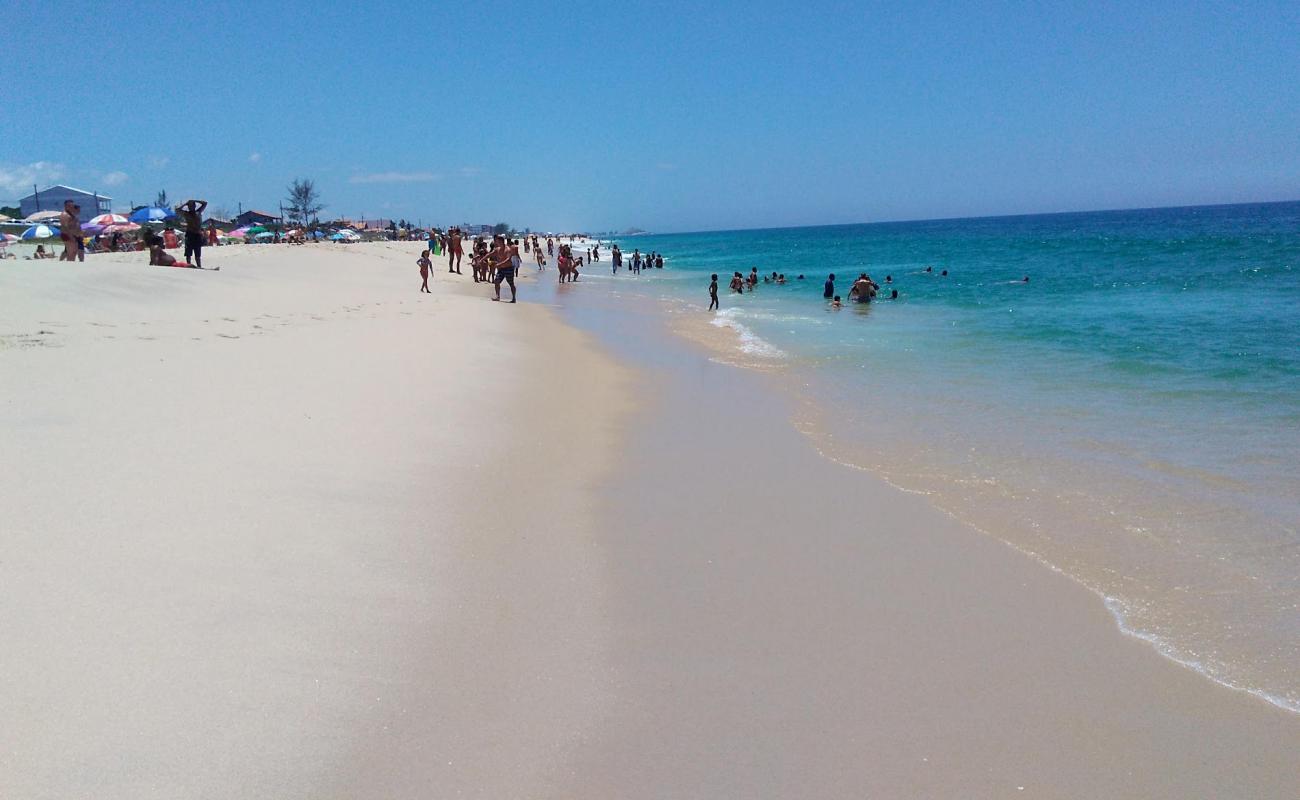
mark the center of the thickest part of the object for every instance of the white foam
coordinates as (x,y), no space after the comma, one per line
(750,343)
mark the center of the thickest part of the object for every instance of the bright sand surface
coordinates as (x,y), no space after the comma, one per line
(391,545)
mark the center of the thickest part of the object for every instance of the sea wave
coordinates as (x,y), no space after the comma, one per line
(750,343)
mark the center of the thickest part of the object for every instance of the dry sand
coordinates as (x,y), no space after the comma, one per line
(292,529)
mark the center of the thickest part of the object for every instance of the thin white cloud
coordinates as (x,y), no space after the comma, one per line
(395,177)
(158,162)
(116,178)
(255,157)
(17,179)
(470,172)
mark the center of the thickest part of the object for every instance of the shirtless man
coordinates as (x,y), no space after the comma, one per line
(863,289)
(454,250)
(191,212)
(69,230)
(502,261)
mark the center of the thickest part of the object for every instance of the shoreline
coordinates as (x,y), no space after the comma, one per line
(1084,666)
(412,589)
(1107,516)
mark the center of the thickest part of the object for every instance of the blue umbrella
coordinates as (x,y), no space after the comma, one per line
(40,232)
(338,237)
(151,214)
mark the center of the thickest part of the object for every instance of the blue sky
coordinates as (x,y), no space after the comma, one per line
(667,116)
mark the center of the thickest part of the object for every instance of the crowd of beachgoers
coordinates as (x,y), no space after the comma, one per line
(494,259)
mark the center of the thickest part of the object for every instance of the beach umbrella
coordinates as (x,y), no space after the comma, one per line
(121,228)
(40,232)
(257,229)
(317,234)
(5,217)
(41,216)
(8,237)
(92,229)
(151,214)
(265,235)
(105,220)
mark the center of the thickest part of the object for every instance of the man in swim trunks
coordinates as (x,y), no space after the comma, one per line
(505,271)
(69,230)
(191,213)
(454,250)
(828,291)
(863,289)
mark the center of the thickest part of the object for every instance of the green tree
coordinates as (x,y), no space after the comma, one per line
(304,201)
(501,228)
(11,211)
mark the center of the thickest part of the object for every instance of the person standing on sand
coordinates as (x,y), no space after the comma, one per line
(191,212)
(425,264)
(502,260)
(453,250)
(713,292)
(69,230)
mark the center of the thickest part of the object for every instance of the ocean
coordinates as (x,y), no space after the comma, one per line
(1130,416)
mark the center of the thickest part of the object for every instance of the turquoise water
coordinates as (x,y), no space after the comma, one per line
(1130,416)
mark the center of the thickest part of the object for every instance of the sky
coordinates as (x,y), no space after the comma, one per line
(668,116)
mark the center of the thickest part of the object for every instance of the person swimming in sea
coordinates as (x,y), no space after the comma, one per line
(835,302)
(863,289)
(828,291)
(737,283)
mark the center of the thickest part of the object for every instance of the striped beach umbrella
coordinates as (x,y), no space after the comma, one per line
(109,219)
(41,216)
(122,227)
(8,237)
(40,232)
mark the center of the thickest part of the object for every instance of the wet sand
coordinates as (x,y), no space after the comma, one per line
(789,627)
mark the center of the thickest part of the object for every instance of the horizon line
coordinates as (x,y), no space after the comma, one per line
(975,217)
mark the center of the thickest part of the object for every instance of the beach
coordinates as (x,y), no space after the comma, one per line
(294,529)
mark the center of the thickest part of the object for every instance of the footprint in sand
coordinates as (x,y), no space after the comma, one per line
(103,325)
(229,319)
(227,336)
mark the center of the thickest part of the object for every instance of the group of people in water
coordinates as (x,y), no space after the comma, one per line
(863,289)
(637,262)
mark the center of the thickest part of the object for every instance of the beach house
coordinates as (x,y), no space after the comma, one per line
(52,198)
(252,217)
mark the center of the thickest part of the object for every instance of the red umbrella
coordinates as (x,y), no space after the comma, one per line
(109,219)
